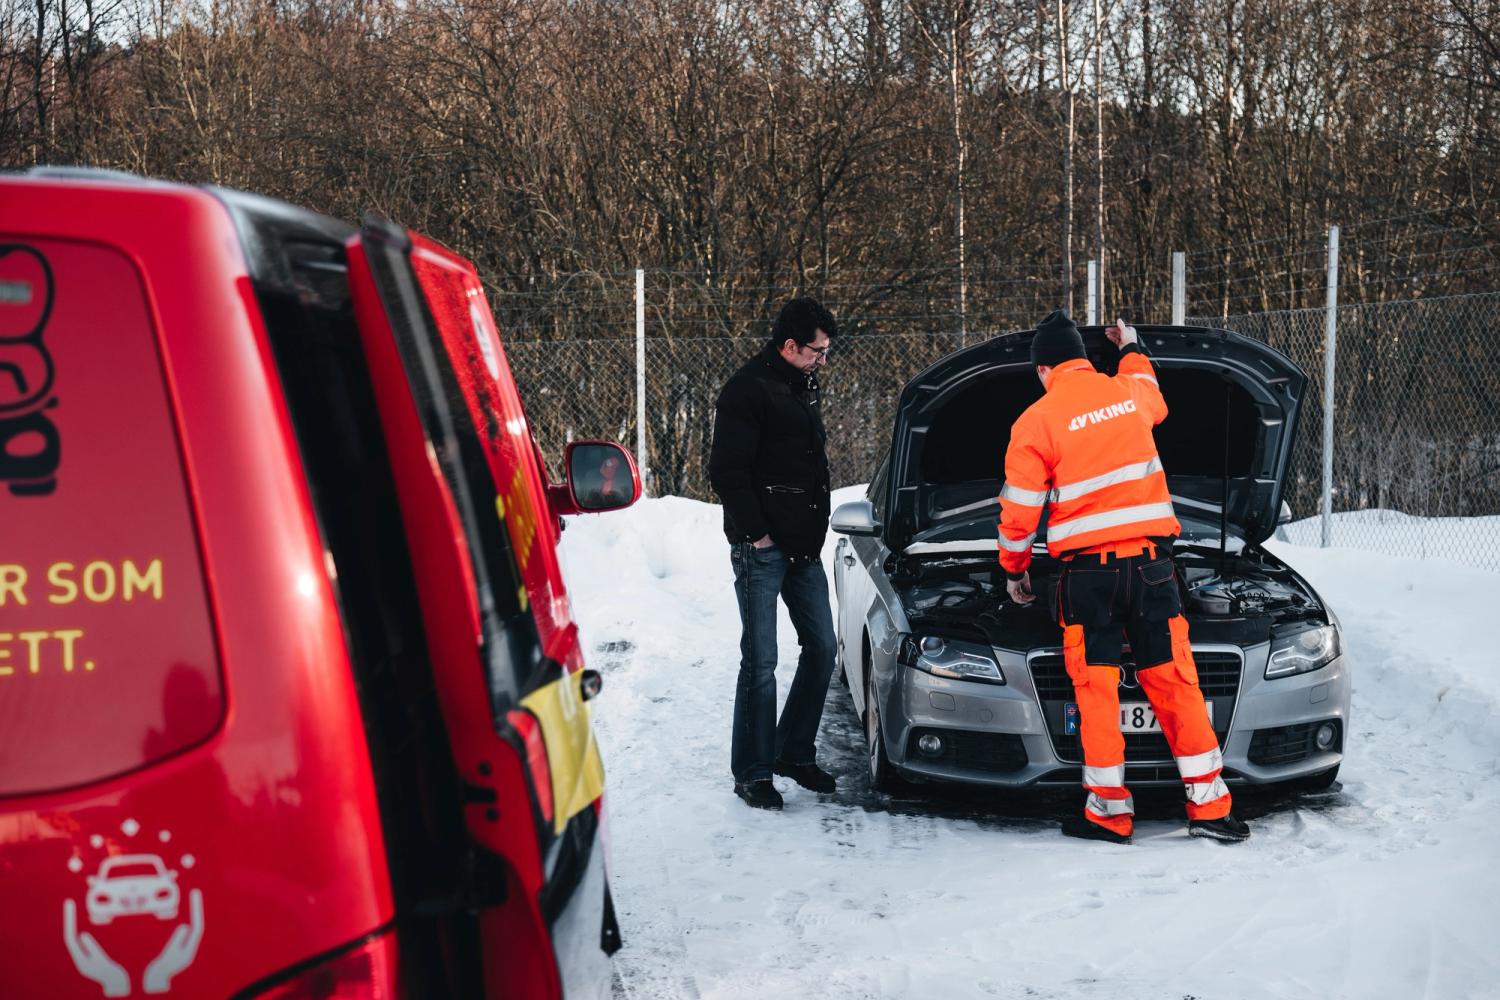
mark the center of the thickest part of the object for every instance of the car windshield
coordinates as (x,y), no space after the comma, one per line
(132,869)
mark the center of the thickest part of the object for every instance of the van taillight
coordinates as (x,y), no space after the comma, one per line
(536,758)
(365,972)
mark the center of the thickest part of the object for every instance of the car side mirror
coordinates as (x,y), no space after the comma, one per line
(857,517)
(600,476)
(1284,516)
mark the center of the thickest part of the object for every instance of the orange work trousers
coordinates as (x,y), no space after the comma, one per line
(1130,590)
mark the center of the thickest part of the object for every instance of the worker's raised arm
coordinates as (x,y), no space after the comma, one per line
(1136,367)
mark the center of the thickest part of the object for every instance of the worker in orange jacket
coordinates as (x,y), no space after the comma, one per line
(1085,452)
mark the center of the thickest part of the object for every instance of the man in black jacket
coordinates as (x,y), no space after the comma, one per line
(769,467)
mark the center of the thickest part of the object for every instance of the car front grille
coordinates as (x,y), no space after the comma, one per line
(1218,679)
(999,753)
(1287,744)
(1218,675)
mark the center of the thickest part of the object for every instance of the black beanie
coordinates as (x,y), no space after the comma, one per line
(1057,340)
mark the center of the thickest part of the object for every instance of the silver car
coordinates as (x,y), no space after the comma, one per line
(956,683)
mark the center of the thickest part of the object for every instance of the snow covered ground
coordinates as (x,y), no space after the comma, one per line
(1386,887)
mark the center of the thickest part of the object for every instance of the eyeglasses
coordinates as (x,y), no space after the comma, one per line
(821,352)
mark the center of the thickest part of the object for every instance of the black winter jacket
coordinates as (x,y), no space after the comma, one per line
(769,463)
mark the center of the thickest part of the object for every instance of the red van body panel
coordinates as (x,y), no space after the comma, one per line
(270,821)
(387,778)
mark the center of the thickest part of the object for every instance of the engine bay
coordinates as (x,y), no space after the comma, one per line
(1243,597)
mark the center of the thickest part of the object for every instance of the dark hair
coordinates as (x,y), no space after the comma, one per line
(800,320)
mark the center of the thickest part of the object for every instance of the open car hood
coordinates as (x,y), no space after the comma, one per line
(1233,405)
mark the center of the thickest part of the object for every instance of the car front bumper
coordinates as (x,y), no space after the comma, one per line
(1011,736)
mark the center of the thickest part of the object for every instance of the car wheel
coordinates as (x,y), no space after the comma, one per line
(882,774)
(1319,782)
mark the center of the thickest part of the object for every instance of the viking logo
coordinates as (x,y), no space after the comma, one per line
(30,447)
(1103,413)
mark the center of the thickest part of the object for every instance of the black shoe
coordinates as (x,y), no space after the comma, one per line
(1086,829)
(809,776)
(1227,830)
(758,794)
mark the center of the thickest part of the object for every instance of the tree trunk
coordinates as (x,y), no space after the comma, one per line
(1065,81)
(957,54)
(1099,161)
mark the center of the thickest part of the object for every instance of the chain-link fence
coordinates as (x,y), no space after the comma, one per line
(1416,444)
(859,401)
(1416,428)
(586,388)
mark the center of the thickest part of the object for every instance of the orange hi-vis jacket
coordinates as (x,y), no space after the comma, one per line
(1086,448)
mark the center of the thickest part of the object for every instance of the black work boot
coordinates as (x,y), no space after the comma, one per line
(1227,829)
(758,794)
(1086,829)
(809,776)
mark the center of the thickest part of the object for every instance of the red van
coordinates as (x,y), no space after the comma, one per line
(291,700)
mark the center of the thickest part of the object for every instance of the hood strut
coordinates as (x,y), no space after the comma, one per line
(1224,496)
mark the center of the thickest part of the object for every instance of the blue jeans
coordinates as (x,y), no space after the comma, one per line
(759,575)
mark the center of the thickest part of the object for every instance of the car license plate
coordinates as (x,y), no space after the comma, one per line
(1135,717)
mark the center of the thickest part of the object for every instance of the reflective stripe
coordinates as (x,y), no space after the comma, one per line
(1201,793)
(1147,378)
(1200,765)
(1124,474)
(1023,545)
(1100,806)
(1104,777)
(1030,498)
(1108,519)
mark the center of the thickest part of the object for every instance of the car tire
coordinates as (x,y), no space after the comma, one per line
(882,774)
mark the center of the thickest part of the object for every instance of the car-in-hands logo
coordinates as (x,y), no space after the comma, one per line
(30,447)
(125,886)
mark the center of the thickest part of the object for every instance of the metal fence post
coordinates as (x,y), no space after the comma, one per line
(1330,343)
(640,380)
(1179,287)
(1093,311)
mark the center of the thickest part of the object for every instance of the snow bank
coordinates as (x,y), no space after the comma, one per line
(1387,888)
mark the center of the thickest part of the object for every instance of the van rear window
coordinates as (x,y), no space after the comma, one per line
(512,652)
(107,653)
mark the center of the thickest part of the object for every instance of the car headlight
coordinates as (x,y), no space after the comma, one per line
(1303,651)
(961,661)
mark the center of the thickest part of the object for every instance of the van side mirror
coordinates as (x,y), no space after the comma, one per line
(1284,516)
(857,517)
(600,476)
